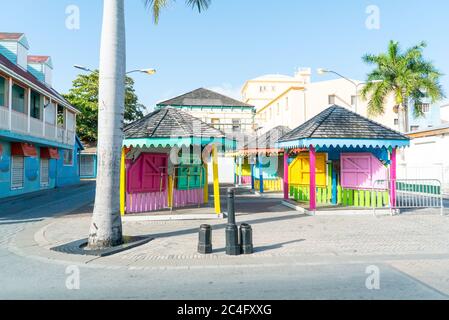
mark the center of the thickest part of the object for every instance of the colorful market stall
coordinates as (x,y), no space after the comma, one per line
(341,158)
(262,161)
(164,162)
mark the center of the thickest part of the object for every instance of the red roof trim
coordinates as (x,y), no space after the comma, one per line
(38,59)
(10,36)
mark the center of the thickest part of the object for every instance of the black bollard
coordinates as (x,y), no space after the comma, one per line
(232,237)
(246,238)
(205,239)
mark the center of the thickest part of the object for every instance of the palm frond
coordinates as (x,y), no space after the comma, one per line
(156,6)
(201,5)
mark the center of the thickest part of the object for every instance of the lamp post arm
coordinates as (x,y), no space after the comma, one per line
(342,76)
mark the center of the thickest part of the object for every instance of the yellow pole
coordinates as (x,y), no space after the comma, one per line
(170,191)
(216,182)
(206,183)
(122,182)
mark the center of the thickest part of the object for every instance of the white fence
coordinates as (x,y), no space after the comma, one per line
(23,124)
(410,193)
(4,118)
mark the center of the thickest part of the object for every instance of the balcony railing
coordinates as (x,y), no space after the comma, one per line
(35,127)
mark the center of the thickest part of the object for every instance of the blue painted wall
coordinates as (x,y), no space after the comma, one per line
(68,174)
(59,174)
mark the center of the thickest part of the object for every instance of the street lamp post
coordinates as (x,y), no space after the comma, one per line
(322,71)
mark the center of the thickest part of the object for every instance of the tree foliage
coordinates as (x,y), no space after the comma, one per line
(405,74)
(84,96)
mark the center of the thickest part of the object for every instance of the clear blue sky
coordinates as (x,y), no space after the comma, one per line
(233,41)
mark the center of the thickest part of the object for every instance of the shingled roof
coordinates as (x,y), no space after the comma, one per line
(337,122)
(170,123)
(268,140)
(204,97)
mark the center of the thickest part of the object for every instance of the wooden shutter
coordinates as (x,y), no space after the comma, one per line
(360,170)
(44,170)
(299,170)
(17,172)
(148,173)
(87,164)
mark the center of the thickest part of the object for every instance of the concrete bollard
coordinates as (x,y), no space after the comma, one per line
(232,236)
(246,238)
(205,239)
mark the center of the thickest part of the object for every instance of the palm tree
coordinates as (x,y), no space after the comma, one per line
(404,74)
(106,226)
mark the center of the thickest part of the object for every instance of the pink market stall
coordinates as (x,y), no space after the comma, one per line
(341,159)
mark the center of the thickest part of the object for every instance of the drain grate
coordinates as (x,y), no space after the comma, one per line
(78,247)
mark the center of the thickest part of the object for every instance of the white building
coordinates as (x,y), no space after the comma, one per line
(428,156)
(444,112)
(290,101)
(224,113)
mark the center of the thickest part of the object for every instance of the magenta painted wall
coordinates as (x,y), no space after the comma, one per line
(361,170)
(155,201)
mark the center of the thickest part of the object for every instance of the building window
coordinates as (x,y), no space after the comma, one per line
(68,157)
(396,122)
(17,172)
(35,105)
(414,128)
(331,99)
(236,125)
(60,115)
(273,88)
(2,91)
(18,98)
(353,101)
(286,104)
(44,169)
(424,107)
(278,109)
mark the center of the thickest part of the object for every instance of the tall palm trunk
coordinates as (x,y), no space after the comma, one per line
(106,227)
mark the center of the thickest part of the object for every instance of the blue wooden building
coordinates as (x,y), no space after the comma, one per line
(38,144)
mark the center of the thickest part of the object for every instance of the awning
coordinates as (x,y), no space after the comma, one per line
(23,149)
(49,153)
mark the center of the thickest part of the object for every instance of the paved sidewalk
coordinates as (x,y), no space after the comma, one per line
(280,236)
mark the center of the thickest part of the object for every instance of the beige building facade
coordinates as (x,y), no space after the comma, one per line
(297,99)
